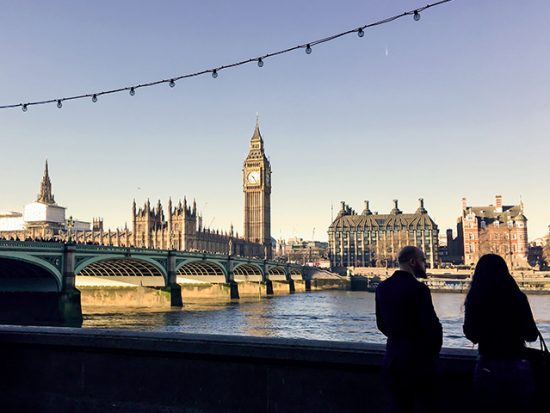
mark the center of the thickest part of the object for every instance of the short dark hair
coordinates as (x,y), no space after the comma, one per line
(408,253)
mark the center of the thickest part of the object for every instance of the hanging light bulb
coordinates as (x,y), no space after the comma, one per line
(308,49)
(132,91)
(94,98)
(24,107)
(260,62)
(416,16)
(360,32)
(59,104)
(214,73)
(172,83)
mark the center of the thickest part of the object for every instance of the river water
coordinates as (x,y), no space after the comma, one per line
(320,315)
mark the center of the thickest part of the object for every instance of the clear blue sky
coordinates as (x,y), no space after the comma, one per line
(454,105)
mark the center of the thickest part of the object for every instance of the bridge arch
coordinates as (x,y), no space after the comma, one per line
(248,272)
(276,274)
(133,268)
(28,273)
(296,274)
(200,268)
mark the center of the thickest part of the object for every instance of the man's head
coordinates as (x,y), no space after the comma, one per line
(413,260)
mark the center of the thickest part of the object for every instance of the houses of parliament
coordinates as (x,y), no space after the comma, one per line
(180,227)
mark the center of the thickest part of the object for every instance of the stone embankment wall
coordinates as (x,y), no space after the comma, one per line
(125,296)
(101,371)
(132,296)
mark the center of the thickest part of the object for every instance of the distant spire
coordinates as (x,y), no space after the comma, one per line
(45,196)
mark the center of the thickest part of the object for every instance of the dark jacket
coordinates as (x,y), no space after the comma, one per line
(405,314)
(500,324)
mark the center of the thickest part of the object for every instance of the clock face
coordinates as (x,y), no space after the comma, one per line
(253,177)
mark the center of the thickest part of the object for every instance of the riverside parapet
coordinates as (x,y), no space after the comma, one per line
(91,371)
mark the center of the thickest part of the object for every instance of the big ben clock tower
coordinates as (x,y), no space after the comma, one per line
(257,194)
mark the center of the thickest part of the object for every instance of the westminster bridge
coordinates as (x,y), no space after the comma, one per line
(43,275)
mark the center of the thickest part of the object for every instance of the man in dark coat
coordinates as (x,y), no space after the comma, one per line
(405,314)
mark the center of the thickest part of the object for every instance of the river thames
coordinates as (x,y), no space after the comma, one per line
(320,315)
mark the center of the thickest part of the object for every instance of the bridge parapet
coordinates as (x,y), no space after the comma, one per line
(7,244)
(119,250)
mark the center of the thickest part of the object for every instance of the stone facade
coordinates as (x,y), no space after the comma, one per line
(372,239)
(181,228)
(257,192)
(499,229)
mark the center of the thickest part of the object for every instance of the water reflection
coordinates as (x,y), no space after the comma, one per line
(328,315)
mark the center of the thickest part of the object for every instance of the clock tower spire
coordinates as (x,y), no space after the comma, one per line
(257,195)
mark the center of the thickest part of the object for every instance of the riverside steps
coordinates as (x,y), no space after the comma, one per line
(53,369)
(47,283)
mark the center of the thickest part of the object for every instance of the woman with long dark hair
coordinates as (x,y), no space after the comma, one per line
(498,318)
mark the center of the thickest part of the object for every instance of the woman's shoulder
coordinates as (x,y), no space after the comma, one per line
(522,297)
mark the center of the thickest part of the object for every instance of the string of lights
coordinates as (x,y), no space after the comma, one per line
(308,47)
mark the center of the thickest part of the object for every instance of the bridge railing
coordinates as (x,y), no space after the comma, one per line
(112,248)
(31,244)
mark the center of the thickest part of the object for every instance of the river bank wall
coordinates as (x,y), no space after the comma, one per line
(91,371)
(140,296)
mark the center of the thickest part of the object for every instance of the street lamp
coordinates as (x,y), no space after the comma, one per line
(70,225)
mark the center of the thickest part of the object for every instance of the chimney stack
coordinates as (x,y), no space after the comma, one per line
(498,203)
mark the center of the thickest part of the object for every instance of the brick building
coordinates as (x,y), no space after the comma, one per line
(499,229)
